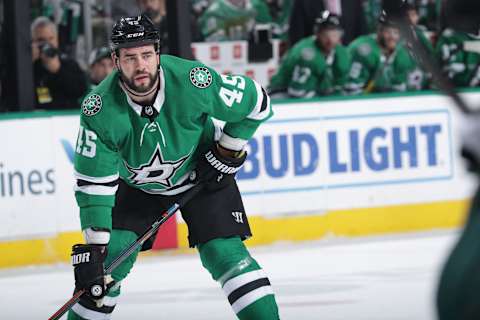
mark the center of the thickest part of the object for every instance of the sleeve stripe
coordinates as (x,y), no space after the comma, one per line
(264,101)
(82,183)
(105,179)
(263,107)
(97,190)
(231,143)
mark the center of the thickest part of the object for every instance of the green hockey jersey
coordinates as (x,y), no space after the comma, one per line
(371,11)
(306,71)
(417,77)
(224,21)
(459,55)
(372,71)
(117,139)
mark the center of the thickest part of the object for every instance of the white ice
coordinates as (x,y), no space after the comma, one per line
(374,278)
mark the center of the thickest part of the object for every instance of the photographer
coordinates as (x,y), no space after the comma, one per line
(59,81)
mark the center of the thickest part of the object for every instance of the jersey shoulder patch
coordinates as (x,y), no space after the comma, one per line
(201,77)
(92,105)
(308,53)
(364,49)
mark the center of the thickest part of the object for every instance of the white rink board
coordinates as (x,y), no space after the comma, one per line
(355,154)
(46,206)
(311,157)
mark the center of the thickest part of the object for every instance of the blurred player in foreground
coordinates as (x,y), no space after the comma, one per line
(459,285)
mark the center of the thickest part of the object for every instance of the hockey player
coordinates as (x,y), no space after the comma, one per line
(371,11)
(379,62)
(457,295)
(417,78)
(459,54)
(146,137)
(317,65)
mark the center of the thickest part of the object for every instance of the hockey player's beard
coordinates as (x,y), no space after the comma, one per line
(139,90)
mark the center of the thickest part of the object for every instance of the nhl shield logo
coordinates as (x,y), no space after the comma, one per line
(92,105)
(200,77)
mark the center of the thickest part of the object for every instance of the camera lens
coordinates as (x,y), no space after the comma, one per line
(48,50)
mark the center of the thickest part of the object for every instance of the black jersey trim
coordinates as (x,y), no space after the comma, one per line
(246,288)
(264,101)
(82,183)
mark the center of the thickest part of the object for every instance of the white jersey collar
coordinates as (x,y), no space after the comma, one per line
(159,99)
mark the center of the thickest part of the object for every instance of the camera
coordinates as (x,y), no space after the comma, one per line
(47,49)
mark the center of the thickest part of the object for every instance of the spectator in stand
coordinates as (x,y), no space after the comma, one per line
(226,20)
(304,13)
(101,65)
(59,81)
(316,66)
(156,10)
(379,62)
(458,52)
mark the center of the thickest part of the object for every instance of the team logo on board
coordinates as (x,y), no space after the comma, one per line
(156,170)
(200,77)
(92,105)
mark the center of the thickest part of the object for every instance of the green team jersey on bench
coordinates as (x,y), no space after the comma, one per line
(459,55)
(157,154)
(372,71)
(306,71)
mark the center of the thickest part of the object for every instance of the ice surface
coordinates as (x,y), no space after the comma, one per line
(375,278)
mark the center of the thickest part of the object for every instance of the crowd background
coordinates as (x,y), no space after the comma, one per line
(328,47)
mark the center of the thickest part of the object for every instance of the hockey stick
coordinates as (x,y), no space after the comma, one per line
(134,246)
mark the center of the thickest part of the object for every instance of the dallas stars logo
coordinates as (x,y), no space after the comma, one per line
(156,170)
(92,105)
(200,77)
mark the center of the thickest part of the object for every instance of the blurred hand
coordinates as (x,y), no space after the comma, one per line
(35,52)
(470,135)
(52,64)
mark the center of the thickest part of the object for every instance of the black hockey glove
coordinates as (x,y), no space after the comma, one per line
(87,260)
(214,168)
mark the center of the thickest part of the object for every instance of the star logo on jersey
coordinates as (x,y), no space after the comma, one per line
(92,105)
(201,77)
(157,170)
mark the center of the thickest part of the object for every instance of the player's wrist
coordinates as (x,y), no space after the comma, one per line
(94,235)
(228,153)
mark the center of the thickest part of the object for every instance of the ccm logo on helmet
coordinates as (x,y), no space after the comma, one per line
(135,35)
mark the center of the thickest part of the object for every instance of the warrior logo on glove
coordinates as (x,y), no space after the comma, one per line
(213,166)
